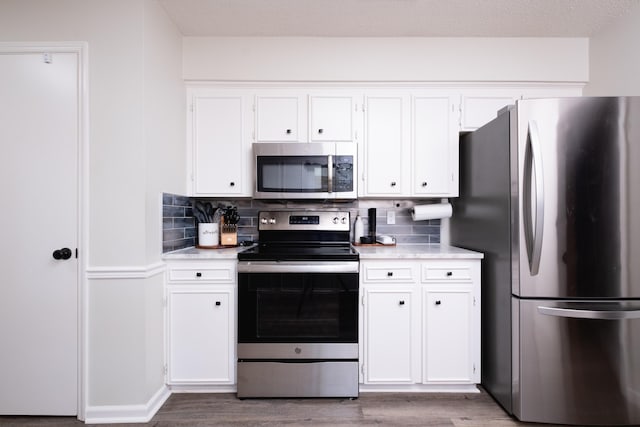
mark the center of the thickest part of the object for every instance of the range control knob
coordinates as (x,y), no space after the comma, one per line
(344,220)
(272,220)
(336,220)
(263,220)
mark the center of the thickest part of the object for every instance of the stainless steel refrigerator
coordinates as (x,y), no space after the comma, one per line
(550,192)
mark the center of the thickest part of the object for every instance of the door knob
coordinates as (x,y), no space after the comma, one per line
(64,253)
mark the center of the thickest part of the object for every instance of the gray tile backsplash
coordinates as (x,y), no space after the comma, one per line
(178,224)
(180,231)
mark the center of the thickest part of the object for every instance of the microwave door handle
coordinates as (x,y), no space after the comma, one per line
(330,173)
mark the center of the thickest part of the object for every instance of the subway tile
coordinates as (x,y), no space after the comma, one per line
(179,210)
(184,222)
(173,212)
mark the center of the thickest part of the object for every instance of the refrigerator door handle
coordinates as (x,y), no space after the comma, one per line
(330,174)
(590,314)
(533,168)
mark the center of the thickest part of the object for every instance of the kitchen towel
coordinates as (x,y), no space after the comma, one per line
(432,211)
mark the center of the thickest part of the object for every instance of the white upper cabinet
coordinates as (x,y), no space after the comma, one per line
(480,105)
(386,145)
(280,118)
(476,110)
(297,116)
(410,145)
(218,143)
(434,146)
(407,136)
(331,118)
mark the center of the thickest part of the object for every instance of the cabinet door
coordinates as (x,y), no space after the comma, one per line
(435,142)
(331,118)
(201,336)
(219,154)
(279,118)
(480,110)
(448,341)
(389,341)
(386,146)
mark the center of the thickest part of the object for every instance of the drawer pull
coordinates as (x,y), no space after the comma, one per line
(320,130)
(449,273)
(198,274)
(288,131)
(389,273)
(218,303)
(393,183)
(401,302)
(438,302)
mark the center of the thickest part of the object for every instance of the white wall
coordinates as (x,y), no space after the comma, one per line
(136,151)
(164,119)
(386,59)
(615,58)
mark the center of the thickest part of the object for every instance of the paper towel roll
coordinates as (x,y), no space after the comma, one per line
(432,211)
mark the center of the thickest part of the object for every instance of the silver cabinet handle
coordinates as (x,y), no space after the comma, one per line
(589,314)
(533,165)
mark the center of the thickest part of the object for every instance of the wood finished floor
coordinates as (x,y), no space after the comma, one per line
(387,409)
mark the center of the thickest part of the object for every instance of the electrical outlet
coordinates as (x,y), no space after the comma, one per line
(391,217)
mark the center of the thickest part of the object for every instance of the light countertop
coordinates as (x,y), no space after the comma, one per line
(416,251)
(406,251)
(198,253)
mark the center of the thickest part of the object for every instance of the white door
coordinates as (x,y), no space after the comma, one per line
(218,138)
(386,145)
(448,352)
(388,341)
(331,118)
(39,192)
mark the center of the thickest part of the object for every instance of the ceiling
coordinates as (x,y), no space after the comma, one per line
(396,18)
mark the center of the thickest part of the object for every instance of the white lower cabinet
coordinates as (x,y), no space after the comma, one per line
(420,324)
(201,323)
(390,346)
(448,337)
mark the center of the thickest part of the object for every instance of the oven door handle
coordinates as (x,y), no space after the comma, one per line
(297,267)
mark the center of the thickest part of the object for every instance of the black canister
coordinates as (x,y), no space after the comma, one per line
(372,224)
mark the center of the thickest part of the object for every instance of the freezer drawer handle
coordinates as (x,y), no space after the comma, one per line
(590,314)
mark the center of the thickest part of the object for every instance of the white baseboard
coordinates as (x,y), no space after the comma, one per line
(419,388)
(116,414)
(199,388)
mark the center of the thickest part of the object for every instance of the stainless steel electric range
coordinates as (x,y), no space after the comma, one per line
(298,307)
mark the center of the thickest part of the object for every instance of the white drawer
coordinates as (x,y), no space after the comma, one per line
(389,273)
(206,272)
(446,272)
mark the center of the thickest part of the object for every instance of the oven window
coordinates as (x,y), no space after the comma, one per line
(304,174)
(293,307)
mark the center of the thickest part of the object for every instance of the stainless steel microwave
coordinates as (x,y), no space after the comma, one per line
(305,170)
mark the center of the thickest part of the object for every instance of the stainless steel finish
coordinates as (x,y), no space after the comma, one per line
(297,267)
(560,331)
(589,313)
(330,173)
(298,351)
(294,149)
(312,379)
(279,220)
(577,371)
(307,149)
(483,219)
(534,176)
(590,148)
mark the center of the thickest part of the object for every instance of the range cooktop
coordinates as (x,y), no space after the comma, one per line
(297,252)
